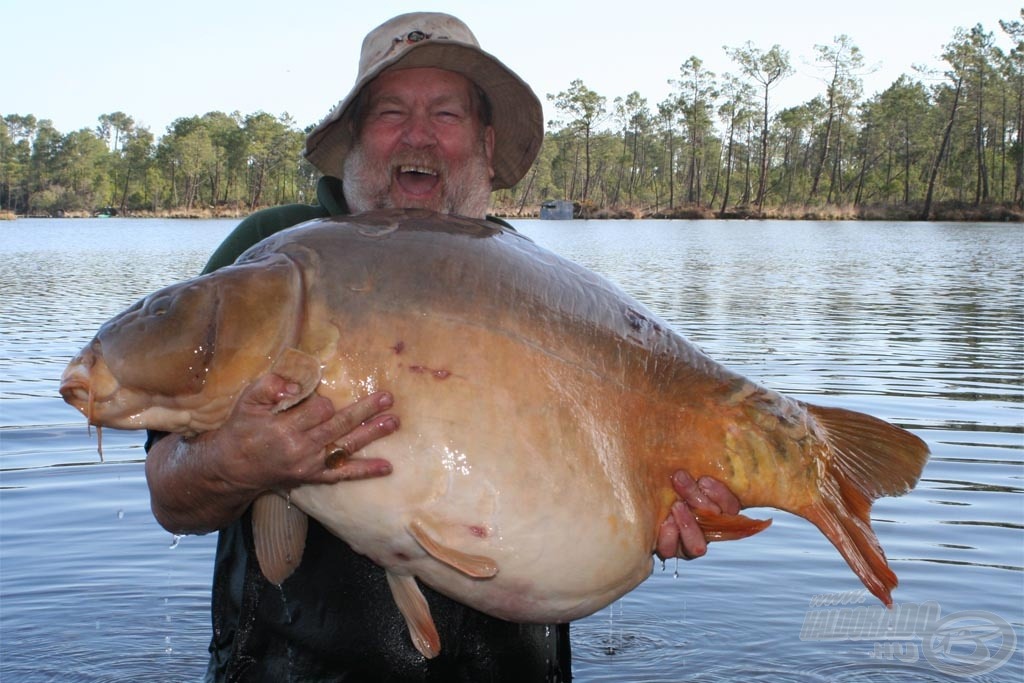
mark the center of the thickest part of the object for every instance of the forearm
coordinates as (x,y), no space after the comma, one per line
(186,495)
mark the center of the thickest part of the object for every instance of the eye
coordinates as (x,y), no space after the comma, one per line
(389,112)
(159,305)
(450,115)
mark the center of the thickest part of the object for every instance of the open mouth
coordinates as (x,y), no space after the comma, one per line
(417,180)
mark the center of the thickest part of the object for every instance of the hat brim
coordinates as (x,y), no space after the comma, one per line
(517,115)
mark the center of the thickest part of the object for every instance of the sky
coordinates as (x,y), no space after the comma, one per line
(72,61)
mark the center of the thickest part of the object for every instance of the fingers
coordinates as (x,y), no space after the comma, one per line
(691,494)
(719,494)
(680,535)
(692,543)
(348,431)
(358,438)
(280,450)
(347,470)
(667,543)
(270,390)
(706,494)
(351,417)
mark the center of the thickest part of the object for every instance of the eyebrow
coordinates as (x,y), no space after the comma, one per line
(479,103)
(440,99)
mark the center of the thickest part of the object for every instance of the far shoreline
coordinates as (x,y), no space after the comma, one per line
(941,212)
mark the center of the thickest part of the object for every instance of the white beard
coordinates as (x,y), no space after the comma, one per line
(465,191)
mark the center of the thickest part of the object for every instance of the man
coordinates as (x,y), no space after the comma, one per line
(433,122)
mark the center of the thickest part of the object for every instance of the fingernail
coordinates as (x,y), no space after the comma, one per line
(682,478)
(389,423)
(385,401)
(291,388)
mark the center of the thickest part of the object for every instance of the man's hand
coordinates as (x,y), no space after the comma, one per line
(308,443)
(204,483)
(680,535)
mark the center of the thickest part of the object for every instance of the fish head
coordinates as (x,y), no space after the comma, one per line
(177,359)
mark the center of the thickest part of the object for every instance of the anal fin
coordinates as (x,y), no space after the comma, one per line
(729,527)
(474,566)
(279,534)
(416,611)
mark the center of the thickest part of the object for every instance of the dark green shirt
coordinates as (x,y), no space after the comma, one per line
(334,619)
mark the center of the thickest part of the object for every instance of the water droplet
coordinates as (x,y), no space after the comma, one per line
(120,514)
(175,540)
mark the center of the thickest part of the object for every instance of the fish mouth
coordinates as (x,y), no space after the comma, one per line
(76,392)
(78,389)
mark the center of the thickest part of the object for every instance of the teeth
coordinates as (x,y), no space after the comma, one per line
(417,169)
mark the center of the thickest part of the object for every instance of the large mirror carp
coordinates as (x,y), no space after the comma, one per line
(543,412)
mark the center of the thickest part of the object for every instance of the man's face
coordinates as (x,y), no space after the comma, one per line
(420,144)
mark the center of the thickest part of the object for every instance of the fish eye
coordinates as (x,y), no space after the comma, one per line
(159,305)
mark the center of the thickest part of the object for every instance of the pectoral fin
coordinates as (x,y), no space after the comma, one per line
(427,534)
(416,611)
(279,534)
(301,368)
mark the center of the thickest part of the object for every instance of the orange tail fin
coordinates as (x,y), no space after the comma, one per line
(868,459)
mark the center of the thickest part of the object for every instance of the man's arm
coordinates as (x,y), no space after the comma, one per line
(202,484)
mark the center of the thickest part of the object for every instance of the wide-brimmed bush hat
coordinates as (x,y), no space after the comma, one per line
(440,41)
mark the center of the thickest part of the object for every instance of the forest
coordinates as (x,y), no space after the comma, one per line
(946,145)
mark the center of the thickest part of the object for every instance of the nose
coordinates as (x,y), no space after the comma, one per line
(419,131)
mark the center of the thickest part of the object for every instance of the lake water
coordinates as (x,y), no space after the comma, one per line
(917,323)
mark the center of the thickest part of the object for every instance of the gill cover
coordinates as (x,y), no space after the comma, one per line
(214,327)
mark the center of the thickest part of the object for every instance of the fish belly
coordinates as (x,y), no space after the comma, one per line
(504,453)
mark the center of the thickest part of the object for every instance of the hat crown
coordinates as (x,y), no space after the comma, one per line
(401,33)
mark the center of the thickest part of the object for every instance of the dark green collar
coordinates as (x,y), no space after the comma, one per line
(330,196)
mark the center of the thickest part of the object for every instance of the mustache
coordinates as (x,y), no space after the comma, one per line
(419,159)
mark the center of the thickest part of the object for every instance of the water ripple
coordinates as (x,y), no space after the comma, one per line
(916,323)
